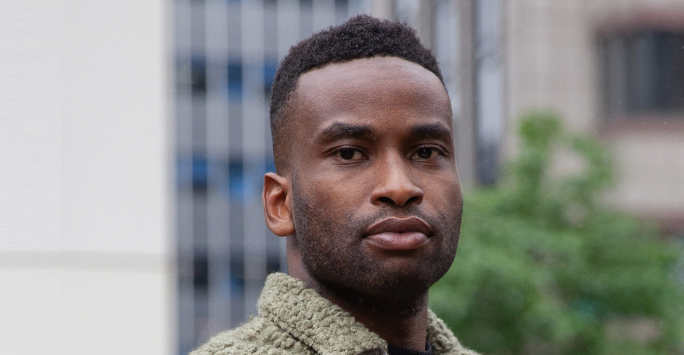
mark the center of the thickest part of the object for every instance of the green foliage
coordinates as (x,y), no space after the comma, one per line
(544,269)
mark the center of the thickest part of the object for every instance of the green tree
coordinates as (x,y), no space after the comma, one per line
(543,268)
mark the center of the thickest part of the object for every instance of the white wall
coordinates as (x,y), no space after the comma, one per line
(85,183)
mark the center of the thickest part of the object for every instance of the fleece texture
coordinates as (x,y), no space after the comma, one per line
(294,319)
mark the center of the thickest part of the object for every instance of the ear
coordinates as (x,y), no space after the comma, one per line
(277,206)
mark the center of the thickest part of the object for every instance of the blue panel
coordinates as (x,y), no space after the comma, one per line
(234,80)
(236,186)
(200,171)
(270,66)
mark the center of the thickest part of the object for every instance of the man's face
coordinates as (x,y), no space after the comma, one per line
(376,200)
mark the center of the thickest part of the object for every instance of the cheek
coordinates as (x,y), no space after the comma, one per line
(337,194)
(444,189)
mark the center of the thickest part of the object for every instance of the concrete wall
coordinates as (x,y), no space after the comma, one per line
(85,189)
(650,165)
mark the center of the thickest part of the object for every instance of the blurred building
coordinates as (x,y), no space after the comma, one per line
(614,69)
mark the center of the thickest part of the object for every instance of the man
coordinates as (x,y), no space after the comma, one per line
(366,193)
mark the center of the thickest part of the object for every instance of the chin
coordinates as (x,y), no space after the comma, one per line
(415,278)
(399,285)
(418,273)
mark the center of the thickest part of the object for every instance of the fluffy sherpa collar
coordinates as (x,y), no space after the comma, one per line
(328,329)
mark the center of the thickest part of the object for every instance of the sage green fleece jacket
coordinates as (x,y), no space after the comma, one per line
(293,319)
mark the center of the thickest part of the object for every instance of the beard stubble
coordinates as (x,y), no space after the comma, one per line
(332,253)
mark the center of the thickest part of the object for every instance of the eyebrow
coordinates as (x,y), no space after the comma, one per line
(339,130)
(431,131)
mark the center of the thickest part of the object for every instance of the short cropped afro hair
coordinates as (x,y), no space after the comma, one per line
(361,36)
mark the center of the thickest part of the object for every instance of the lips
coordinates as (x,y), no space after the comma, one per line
(399,233)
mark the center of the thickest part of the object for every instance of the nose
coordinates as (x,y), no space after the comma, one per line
(394,186)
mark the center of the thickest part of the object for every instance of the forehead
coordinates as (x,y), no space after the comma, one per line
(369,89)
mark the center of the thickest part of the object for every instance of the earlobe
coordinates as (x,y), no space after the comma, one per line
(276,201)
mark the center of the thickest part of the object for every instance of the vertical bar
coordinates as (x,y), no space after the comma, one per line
(323,14)
(217,134)
(645,61)
(384,9)
(425,22)
(465,125)
(489,86)
(617,67)
(288,26)
(199,157)
(183,146)
(305,19)
(356,7)
(341,11)
(446,49)
(253,149)
(235,86)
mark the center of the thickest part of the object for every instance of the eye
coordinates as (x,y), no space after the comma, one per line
(426,153)
(349,154)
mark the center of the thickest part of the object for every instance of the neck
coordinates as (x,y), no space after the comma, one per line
(402,323)
(402,326)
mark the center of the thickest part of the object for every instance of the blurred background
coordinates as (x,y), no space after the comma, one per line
(134,137)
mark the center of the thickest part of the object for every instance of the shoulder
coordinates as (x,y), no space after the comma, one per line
(257,336)
(443,340)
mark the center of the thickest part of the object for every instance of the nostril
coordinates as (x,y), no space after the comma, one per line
(386,200)
(414,199)
(389,201)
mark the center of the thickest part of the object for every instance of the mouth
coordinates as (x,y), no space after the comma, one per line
(399,234)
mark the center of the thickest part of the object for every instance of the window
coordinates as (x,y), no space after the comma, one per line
(642,73)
